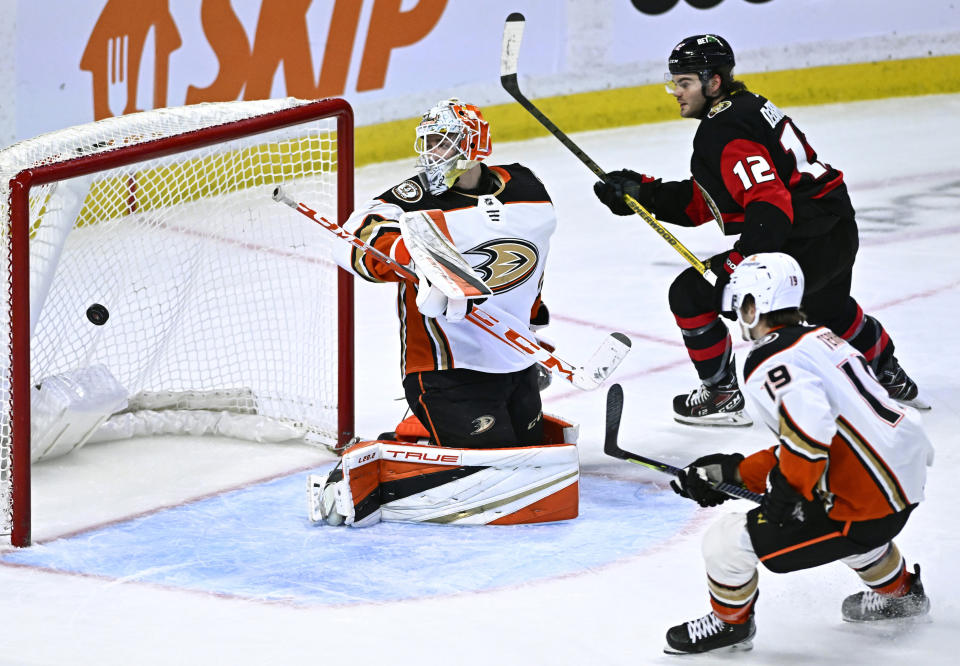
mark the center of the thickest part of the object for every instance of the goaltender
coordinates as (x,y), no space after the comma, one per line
(473,395)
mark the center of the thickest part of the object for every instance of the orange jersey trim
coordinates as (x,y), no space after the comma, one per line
(790,549)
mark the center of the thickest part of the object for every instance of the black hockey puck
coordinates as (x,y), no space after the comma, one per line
(97,314)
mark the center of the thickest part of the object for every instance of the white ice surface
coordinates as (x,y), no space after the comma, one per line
(604,274)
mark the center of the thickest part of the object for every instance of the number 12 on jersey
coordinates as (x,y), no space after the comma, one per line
(756,168)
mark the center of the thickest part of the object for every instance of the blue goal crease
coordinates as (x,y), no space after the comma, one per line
(257,543)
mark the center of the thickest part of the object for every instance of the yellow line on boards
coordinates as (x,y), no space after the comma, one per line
(650,103)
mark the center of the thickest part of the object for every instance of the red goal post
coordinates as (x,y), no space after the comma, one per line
(154,285)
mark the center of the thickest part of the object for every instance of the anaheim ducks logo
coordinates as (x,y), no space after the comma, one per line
(408,191)
(508,262)
(481,424)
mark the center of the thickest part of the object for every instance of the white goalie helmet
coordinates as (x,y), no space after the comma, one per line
(452,137)
(773,279)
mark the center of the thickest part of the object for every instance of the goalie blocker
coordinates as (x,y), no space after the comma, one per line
(408,482)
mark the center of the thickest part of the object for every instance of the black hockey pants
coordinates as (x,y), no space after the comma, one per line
(477,410)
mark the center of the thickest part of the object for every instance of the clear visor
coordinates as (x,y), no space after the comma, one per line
(682,82)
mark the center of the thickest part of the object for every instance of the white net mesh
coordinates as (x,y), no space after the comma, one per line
(209,285)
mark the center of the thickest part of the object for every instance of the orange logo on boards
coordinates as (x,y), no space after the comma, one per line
(114,51)
(246,70)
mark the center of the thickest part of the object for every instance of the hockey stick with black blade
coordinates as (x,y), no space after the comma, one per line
(509,59)
(491,319)
(611,448)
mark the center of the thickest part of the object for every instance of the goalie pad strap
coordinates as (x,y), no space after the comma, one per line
(413,483)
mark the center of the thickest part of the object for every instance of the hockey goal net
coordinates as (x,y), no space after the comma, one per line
(155,287)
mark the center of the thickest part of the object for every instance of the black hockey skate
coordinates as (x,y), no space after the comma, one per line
(710,633)
(720,405)
(870,606)
(898,384)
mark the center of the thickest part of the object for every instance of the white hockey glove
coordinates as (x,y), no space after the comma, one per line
(431,302)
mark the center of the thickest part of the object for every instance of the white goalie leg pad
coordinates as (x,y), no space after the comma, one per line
(479,486)
(412,483)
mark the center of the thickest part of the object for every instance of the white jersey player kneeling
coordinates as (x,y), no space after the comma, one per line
(490,458)
(848,468)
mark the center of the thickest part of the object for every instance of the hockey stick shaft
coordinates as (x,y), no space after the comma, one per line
(509,58)
(491,319)
(611,448)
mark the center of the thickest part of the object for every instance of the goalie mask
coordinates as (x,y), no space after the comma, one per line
(452,138)
(773,279)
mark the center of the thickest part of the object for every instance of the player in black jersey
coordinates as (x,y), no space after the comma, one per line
(755,174)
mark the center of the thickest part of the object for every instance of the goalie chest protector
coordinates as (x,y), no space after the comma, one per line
(504,235)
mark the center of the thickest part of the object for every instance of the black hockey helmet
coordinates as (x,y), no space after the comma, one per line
(699,54)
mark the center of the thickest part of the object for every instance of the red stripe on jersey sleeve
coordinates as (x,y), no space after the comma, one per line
(829,187)
(697,210)
(690,323)
(749,175)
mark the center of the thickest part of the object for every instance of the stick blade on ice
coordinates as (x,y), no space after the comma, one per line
(612,422)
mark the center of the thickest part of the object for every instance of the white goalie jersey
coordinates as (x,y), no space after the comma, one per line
(504,235)
(841,436)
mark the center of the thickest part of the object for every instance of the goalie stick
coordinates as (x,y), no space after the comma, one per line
(611,448)
(509,59)
(491,319)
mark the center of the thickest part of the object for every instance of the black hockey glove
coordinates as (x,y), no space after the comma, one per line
(539,321)
(723,265)
(624,181)
(697,480)
(544,378)
(781,503)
